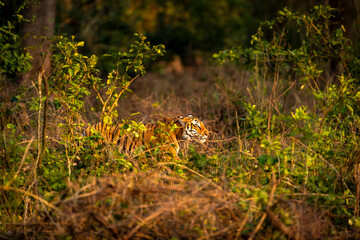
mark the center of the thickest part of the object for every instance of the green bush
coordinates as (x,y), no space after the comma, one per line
(13,59)
(311,148)
(57,154)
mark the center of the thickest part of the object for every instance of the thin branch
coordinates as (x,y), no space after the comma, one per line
(22,161)
(40,74)
(8,188)
(123,78)
(45,118)
(122,91)
(99,96)
(271,198)
(190,170)
(324,160)
(278,224)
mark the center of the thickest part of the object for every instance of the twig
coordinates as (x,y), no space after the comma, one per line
(8,188)
(329,164)
(45,117)
(98,94)
(211,236)
(123,78)
(189,169)
(239,230)
(6,157)
(277,223)
(41,72)
(357,181)
(119,95)
(271,198)
(77,197)
(238,135)
(22,161)
(143,222)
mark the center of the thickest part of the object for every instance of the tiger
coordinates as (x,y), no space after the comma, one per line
(165,134)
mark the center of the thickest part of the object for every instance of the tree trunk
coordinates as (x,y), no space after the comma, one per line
(38,33)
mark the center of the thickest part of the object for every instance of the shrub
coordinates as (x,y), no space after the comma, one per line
(311,147)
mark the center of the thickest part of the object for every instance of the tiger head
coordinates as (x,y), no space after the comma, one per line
(193,129)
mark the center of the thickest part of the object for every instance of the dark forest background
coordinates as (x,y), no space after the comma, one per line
(189,29)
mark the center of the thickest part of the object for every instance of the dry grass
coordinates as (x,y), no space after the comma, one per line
(155,206)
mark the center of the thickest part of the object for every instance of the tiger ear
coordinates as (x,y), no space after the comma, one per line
(182,123)
(190,115)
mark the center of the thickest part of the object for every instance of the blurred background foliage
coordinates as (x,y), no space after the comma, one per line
(189,29)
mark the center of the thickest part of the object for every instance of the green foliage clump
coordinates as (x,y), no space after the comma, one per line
(128,67)
(13,59)
(76,76)
(57,153)
(72,75)
(312,148)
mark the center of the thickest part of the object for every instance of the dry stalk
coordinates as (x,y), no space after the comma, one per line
(8,188)
(277,223)
(271,198)
(238,135)
(42,121)
(244,221)
(22,161)
(324,160)
(45,117)
(38,160)
(190,170)
(357,181)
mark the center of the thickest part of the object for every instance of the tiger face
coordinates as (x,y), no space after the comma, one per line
(193,129)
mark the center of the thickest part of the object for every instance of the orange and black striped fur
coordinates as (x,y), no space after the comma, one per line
(165,134)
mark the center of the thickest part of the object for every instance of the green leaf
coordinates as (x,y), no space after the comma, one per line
(71,72)
(262,159)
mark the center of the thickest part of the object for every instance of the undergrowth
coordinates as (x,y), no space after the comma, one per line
(282,161)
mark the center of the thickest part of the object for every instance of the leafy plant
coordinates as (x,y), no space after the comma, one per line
(14,60)
(311,145)
(128,67)
(75,76)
